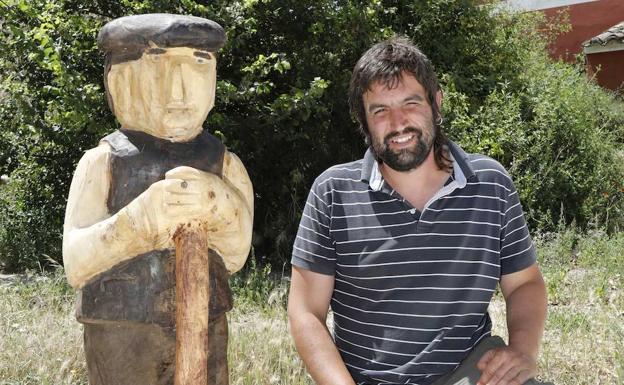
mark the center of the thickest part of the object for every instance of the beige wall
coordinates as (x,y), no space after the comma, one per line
(533,5)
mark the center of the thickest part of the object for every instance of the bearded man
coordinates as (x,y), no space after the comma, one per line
(408,245)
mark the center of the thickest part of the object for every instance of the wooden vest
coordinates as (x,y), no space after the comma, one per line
(143,289)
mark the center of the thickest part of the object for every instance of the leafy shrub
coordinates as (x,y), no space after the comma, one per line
(558,137)
(281,106)
(259,287)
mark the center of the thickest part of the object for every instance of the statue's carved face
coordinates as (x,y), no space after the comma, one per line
(166,93)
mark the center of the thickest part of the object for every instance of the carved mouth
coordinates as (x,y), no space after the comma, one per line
(179,107)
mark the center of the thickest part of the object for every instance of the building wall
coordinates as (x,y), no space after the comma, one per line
(611,69)
(587,19)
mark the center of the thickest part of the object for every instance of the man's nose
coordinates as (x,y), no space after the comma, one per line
(177,85)
(398,119)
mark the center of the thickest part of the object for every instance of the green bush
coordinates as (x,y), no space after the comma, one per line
(558,137)
(281,106)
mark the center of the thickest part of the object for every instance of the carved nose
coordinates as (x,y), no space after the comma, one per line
(177,86)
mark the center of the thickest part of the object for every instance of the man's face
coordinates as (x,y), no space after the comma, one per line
(166,93)
(400,123)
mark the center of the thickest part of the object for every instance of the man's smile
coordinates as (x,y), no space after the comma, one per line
(401,139)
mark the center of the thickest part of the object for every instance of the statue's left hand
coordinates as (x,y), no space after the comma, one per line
(197,196)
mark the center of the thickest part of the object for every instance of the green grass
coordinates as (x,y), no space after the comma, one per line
(41,343)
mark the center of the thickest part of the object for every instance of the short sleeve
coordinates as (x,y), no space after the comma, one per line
(517,249)
(314,248)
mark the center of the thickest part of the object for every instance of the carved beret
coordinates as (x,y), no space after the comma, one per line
(127,37)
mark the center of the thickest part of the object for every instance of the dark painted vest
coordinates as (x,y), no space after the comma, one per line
(129,310)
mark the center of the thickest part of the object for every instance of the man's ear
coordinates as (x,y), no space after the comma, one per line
(438,98)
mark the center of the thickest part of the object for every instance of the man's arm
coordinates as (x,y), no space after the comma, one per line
(308,303)
(525,296)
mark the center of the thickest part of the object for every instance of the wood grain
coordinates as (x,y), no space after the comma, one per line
(192,301)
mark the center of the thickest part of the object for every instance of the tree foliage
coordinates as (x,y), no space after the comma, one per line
(281,106)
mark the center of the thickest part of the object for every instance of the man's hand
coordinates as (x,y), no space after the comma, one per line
(506,366)
(213,204)
(525,296)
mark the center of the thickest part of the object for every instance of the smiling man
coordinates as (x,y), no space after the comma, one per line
(408,245)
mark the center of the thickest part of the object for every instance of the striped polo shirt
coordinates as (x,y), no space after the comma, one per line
(412,288)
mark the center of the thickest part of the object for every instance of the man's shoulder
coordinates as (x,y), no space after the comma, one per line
(340,174)
(488,169)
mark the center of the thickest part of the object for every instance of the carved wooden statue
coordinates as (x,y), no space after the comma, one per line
(157,187)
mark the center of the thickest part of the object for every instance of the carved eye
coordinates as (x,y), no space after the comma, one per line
(154,53)
(202,57)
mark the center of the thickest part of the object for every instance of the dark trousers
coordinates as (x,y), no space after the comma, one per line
(468,374)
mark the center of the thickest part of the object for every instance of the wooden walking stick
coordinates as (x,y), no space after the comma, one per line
(192,306)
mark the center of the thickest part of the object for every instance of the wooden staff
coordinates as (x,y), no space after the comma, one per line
(192,301)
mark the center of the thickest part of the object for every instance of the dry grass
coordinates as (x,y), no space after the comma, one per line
(584,337)
(261,351)
(582,344)
(41,343)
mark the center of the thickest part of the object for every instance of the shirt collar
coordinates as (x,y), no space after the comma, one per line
(461,162)
(461,167)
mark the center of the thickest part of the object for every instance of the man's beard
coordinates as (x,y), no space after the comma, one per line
(407,158)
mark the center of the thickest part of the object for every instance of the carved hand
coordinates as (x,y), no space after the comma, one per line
(188,196)
(217,206)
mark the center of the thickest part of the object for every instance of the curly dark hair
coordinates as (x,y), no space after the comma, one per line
(386,62)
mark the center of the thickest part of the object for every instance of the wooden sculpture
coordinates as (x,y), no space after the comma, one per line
(159,213)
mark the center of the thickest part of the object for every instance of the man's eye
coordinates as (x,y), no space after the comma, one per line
(379,111)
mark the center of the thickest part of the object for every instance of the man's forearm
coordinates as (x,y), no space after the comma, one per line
(526,314)
(525,295)
(318,351)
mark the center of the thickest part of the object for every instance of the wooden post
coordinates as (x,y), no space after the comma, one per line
(192,301)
